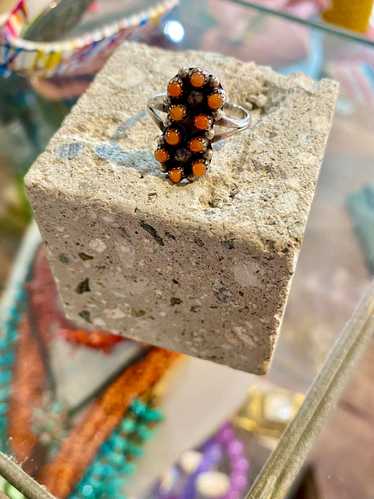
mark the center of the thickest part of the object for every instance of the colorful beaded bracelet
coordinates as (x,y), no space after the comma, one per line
(66,57)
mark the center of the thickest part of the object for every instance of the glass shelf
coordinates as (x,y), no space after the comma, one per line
(307,17)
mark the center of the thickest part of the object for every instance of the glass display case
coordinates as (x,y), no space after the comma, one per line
(220,433)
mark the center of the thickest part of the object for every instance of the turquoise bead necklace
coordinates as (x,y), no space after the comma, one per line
(106,475)
(7,358)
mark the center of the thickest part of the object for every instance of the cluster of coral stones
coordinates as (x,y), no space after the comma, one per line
(193,104)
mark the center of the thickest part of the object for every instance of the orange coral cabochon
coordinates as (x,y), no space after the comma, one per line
(173,136)
(198,168)
(175,87)
(177,112)
(161,155)
(197,144)
(216,100)
(202,122)
(198,78)
(175,175)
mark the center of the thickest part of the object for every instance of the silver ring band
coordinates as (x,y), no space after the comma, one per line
(158,104)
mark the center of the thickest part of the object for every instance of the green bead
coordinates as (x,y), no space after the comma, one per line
(114,487)
(4,393)
(129,468)
(20,293)
(106,448)
(12,335)
(56,407)
(5,376)
(4,344)
(143,432)
(119,443)
(153,416)
(6,359)
(14,314)
(87,491)
(128,425)
(116,459)
(135,450)
(138,407)
(96,484)
(3,408)
(10,324)
(99,469)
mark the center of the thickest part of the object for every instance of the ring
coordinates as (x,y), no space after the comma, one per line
(197,116)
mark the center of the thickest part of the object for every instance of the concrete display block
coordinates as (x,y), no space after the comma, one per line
(204,268)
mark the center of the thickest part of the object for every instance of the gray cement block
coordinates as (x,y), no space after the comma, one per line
(205,268)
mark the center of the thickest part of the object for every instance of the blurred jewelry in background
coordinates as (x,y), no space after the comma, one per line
(217,469)
(68,38)
(47,433)
(351,15)
(268,411)
(55,20)
(224,465)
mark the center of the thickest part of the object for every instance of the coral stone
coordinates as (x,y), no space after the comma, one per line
(175,175)
(177,112)
(202,122)
(161,155)
(172,136)
(198,78)
(175,87)
(197,144)
(198,168)
(216,100)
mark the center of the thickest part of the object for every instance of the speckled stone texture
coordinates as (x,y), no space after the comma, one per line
(205,268)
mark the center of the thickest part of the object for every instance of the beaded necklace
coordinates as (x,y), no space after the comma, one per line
(99,453)
(106,476)
(7,358)
(223,448)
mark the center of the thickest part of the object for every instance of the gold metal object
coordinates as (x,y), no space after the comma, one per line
(350,14)
(268,411)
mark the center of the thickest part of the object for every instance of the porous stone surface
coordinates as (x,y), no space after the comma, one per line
(203,268)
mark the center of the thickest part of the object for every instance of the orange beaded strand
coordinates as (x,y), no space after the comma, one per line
(79,448)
